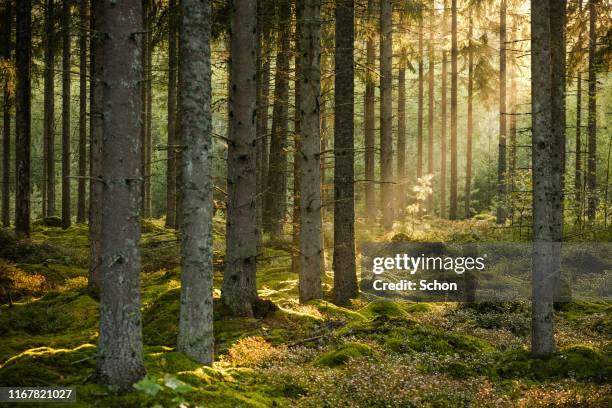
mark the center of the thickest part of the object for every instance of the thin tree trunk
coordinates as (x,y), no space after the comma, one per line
(501,158)
(386,112)
(81,205)
(195,337)
(369,112)
(171,151)
(419,169)
(120,350)
(276,197)
(453,140)
(592,124)
(23,93)
(542,340)
(309,62)
(7,20)
(345,275)
(95,145)
(145,159)
(66,96)
(443,148)
(513,143)
(430,106)
(49,112)
(296,218)
(470,127)
(401,137)
(578,168)
(149,101)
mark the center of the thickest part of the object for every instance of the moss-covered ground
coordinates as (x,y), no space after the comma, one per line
(371,353)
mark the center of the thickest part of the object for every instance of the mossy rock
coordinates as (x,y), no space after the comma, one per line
(579,362)
(343,354)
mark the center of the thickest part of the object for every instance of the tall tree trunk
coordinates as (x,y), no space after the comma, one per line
(49,112)
(592,121)
(296,218)
(171,151)
(276,197)
(23,93)
(470,127)
(195,337)
(66,96)
(386,111)
(369,112)
(144,89)
(501,158)
(309,61)
(96,65)
(401,137)
(543,135)
(149,101)
(239,290)
(578,168)
(513,143)
(345,274)
(7,19)
(443,148)
(81,205)
(120,350)
(419,169)
(430,106)
(453,139)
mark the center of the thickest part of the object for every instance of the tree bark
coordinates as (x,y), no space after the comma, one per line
(276,198)
(470,127)
(171,151)
(401,137)
(453,139)
(419,169)
(501,158)
(96,87)
(592,120)
(66,96)
(239,286)
(81,204)
(296,218)
(345,275)
(369,112)
(386,112)
(49,112)
(543,135)
(309,61)
(145,160)
(120,350)
(430,104)
(443,148)
(195,337)
(7,19)
(23,93)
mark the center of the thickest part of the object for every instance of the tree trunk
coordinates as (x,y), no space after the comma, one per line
(543,135)
(309,61)
(120,350)
(276,197)
(453,140)
(149,101)
(443,172)
(345,275)
(66,96)
(578,169)
(513,143)
(401,137)
(369,112)
(144,89)
(430,106)
(501,158)
(7,19)
(470,127)
(195,337)
(49,113)
(386,111)
(23,55)
(239,291)
(95,145)
(419,169)
(81,205)
(296,218)
(592,121)
(171,124)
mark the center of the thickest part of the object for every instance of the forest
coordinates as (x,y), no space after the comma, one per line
(192,191)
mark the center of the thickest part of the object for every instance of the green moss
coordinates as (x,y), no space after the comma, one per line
(418,308)
(579,362)
(578,310)
(160,319)
(382,308)
(342,354)
(332,311)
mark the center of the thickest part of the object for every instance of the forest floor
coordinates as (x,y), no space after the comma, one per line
(371,354)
